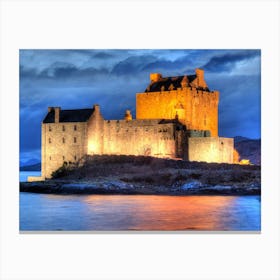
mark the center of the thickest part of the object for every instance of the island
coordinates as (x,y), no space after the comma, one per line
(123,174)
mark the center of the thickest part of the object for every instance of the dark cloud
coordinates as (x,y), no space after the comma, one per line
(103,55)
(227,61)
(132,65)
(62,70)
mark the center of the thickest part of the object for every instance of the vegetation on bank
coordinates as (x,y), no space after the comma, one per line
(157,171)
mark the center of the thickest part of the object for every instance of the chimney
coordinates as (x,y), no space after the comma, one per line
(200,77)
(56,114)
(96,108)
(50,109)
(155,77)
(184,82)
(199,73)
(128,116)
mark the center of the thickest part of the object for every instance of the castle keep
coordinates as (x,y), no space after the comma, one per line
(176,117)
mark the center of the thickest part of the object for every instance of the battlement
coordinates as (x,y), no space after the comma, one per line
(155,77)
(186,98)
(158,83)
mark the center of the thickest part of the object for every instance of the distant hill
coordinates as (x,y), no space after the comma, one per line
(248,149)
(32,167)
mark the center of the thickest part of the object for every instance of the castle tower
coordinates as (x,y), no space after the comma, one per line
(187,97)
(95,132)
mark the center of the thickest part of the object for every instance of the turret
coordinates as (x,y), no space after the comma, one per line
(200,78)
(128,116)
(155,77)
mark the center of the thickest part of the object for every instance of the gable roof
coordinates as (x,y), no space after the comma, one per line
(167,81)
(80,115)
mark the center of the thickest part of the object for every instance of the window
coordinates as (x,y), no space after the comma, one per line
(75,157)
(50,128)
(63,128)
(50,158)
(50,140)
(75,140)
(75,127)
(63,140)
(63,157)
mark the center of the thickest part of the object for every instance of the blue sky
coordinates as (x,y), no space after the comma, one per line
(75,79)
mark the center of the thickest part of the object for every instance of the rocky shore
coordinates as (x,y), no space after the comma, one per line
(119,187)
(146,175)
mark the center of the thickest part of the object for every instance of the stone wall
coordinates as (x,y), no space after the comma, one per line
(134,137)
(62,142)
(197,109)
(210,149)
(95,129)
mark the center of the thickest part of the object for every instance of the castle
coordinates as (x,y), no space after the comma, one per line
(176,117)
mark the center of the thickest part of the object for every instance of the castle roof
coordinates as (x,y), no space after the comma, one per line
(80,115)
(165,83)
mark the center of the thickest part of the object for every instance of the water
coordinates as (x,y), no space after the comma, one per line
(138,212)
(24,174)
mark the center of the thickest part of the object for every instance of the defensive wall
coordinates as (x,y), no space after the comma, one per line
(210,149)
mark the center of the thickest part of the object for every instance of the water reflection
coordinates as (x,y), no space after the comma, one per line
(138,212)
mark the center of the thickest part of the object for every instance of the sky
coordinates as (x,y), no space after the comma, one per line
(76,79)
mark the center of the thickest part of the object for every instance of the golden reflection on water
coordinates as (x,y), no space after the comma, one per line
(153,212)
(138,212)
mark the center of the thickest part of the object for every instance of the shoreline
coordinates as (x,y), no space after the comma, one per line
(122,188)
(119,174)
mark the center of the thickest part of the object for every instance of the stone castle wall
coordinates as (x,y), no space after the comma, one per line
(131,137)
(197,109)
(62,142)
(210,149)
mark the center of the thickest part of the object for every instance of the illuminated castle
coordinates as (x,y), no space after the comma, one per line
(176,117)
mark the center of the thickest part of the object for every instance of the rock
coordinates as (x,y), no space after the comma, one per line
(191,185)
